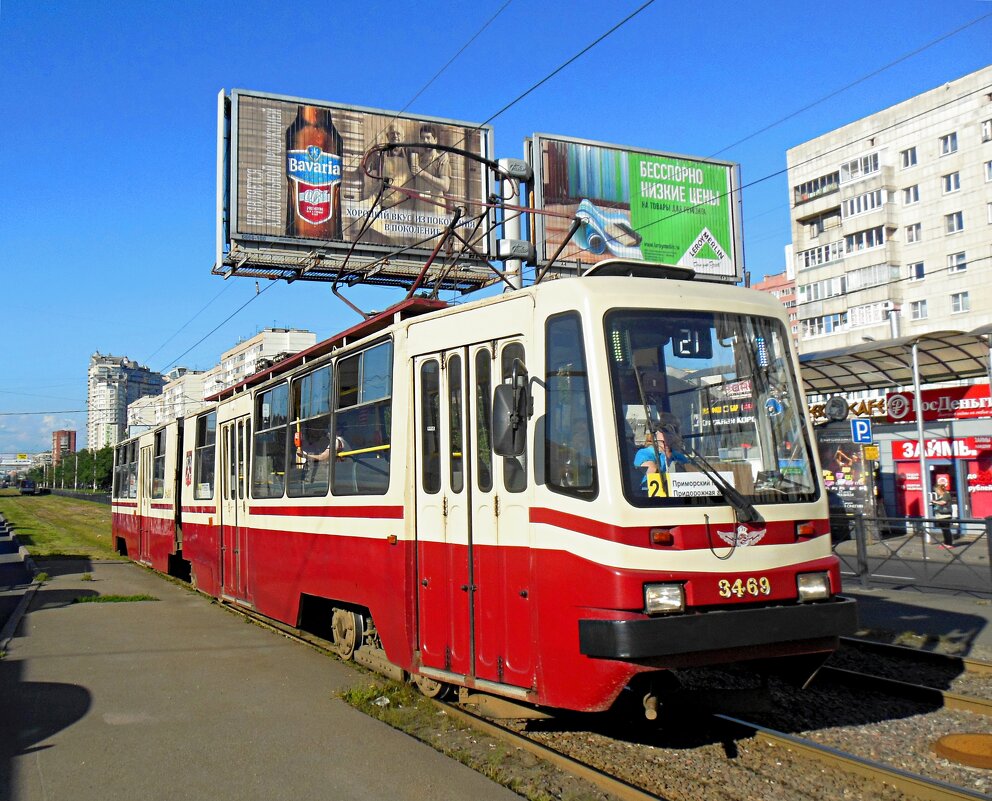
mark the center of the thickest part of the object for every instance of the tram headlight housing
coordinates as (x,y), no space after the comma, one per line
(662,599)
(813,586)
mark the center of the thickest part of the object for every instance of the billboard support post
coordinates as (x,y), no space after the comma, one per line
(510,192)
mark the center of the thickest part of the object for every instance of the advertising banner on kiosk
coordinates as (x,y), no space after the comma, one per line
(293,176)
(637,204)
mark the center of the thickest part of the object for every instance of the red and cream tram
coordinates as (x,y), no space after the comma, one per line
(477,495)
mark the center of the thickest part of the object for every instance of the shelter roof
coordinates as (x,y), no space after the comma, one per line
(943,356)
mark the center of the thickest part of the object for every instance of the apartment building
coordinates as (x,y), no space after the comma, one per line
(892,220)
(248,357)
(63,443)
(783,286)
(114,382)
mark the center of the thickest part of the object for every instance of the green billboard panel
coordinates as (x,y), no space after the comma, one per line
(636,204)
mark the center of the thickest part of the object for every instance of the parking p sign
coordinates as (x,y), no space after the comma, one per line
(861,431)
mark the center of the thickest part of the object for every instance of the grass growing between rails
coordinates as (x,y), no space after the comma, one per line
(51,525)
(403,708)
(112,599)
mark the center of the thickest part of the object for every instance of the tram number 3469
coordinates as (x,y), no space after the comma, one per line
(741,587)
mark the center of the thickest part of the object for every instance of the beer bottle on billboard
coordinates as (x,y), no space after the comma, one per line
(313,174)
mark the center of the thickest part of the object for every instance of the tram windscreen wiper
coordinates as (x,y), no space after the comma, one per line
(745,510)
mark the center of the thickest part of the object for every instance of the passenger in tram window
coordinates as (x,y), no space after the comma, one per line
(660,460)
(340,446)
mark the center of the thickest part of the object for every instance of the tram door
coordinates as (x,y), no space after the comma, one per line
(144,504)
(473,619)
(235,437)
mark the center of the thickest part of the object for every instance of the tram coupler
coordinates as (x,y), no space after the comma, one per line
(650,702)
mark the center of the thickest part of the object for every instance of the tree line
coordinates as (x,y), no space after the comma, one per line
(86,469)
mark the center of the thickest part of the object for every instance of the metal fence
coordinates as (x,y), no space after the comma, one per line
(904,552)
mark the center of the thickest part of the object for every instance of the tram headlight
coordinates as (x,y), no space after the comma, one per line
(813,586)
(664,598)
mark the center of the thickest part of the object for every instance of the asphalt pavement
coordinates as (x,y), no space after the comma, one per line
(179,699)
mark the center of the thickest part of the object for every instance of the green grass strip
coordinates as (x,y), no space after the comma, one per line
(112,599)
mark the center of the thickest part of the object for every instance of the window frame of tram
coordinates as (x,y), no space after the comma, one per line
(269,443)
(363,411)
(132,469)
(430,426)
(204,457)
(569,468)
(311,423)
(484,419)
(514,467)
(158,465)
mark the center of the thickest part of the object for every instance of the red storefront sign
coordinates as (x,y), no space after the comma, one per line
(949,403)
(960,448)
(976,451)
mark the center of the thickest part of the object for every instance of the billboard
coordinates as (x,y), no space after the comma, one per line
(300,177)
(636,204)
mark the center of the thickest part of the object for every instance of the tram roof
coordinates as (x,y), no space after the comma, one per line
(943,356)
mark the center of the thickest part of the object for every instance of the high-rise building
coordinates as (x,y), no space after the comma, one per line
(892,219)
(63,442)
(115,382)
(783,286)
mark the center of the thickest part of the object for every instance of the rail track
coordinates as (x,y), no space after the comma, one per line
(834,768)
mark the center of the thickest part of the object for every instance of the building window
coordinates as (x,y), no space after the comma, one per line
(954,222)
(911,195)
(908,157)
(874,275)
(828,288)
(863,240)
(957,263)
(869,201)
(918,310)
(809,190)
(987,131)
(951,182)
(859,168)
(828,324)
(960,302)
(914,232)
(988,171)
(949,144)
(917,272)
(988,211)
(823,254)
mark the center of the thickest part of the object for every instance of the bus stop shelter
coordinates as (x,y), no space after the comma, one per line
(913,361)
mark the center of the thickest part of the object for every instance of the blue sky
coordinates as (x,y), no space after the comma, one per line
(108,119)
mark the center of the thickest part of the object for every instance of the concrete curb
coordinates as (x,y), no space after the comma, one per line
(7,634)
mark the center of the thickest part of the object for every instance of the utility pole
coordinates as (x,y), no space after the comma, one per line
(93,451)
(75,472)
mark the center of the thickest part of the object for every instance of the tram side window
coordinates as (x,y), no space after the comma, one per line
(514,467)
(132,469)
(570,458)
(268,475)
(430,422)
(312,442)
(457,461)
(205,460)
(484,417)
(362,421)
(120,469)
(158,465)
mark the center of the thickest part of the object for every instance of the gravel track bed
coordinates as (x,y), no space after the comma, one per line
(690,756)
(894,731)
(691,760)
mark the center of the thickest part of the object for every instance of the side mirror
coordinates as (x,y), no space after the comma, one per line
(510,416)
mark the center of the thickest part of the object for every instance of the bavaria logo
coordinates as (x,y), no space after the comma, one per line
(313,166)
(743,536)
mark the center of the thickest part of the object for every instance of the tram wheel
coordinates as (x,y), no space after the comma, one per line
(346,632)
(431,687)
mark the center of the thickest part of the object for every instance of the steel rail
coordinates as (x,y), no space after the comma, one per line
(968,664)
(911,784)
(581,770)
(905,689)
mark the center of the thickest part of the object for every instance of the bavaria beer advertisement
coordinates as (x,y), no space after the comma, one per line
(297,174)
(636,204)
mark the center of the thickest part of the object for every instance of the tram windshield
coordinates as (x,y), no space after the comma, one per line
(708,410)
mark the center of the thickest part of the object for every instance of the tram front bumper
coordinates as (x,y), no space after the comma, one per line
(721,630)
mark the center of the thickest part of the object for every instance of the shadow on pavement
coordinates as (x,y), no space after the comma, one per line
(33,712)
